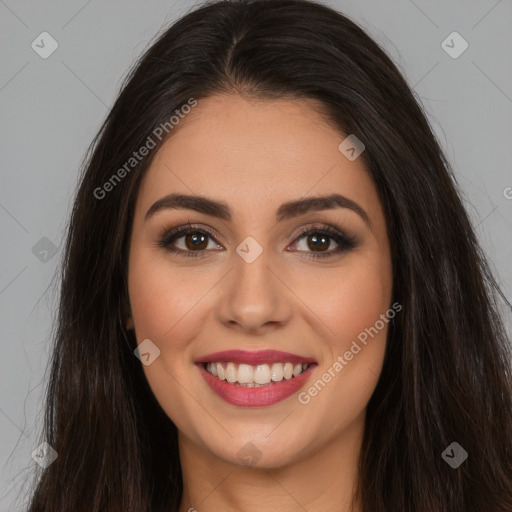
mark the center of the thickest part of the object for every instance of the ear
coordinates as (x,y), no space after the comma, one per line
(127,313)
(129,322)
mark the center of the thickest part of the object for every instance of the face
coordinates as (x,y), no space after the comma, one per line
(270,278)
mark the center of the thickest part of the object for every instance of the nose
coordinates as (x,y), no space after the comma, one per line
(253,298)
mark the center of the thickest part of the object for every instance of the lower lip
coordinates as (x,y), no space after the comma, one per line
(255,397)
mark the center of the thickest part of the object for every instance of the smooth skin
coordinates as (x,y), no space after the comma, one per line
(255,155)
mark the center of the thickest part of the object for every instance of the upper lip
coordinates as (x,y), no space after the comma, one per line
(254,358)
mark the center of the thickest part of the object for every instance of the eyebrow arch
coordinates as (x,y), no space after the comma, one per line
(286,211)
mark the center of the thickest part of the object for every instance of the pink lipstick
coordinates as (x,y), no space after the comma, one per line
(255,379)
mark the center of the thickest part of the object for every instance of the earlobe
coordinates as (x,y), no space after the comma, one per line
(129,322)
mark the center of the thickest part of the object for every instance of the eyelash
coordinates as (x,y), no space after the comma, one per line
(345,242)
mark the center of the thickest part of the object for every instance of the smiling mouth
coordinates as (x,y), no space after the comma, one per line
(250,376)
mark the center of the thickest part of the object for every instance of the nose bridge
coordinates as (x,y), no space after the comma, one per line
(252,296)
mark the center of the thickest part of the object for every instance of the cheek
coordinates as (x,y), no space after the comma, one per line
(352,299)
(170,305)
(166,306)
(351,306)
(155,310)
(160,297)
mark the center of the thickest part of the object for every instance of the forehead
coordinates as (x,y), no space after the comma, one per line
(256,154)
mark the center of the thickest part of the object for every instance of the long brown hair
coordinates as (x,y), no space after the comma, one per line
(446,375)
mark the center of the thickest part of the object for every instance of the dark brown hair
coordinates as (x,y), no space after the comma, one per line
(446,374)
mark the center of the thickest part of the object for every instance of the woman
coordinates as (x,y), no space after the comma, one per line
(272,297)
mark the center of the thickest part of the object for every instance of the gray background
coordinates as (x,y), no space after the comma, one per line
(51,108)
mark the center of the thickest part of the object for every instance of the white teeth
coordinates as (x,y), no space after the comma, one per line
(245,374)
(255,376)
(262,374)
(277,372)
(231,373)
(288,370)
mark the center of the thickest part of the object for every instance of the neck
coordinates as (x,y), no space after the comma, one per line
(325,479)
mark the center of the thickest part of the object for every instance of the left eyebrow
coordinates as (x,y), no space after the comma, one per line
(286,211)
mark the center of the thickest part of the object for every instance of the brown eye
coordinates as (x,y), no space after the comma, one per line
(323,242)
(318,242)
(196,240)
(188,241)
